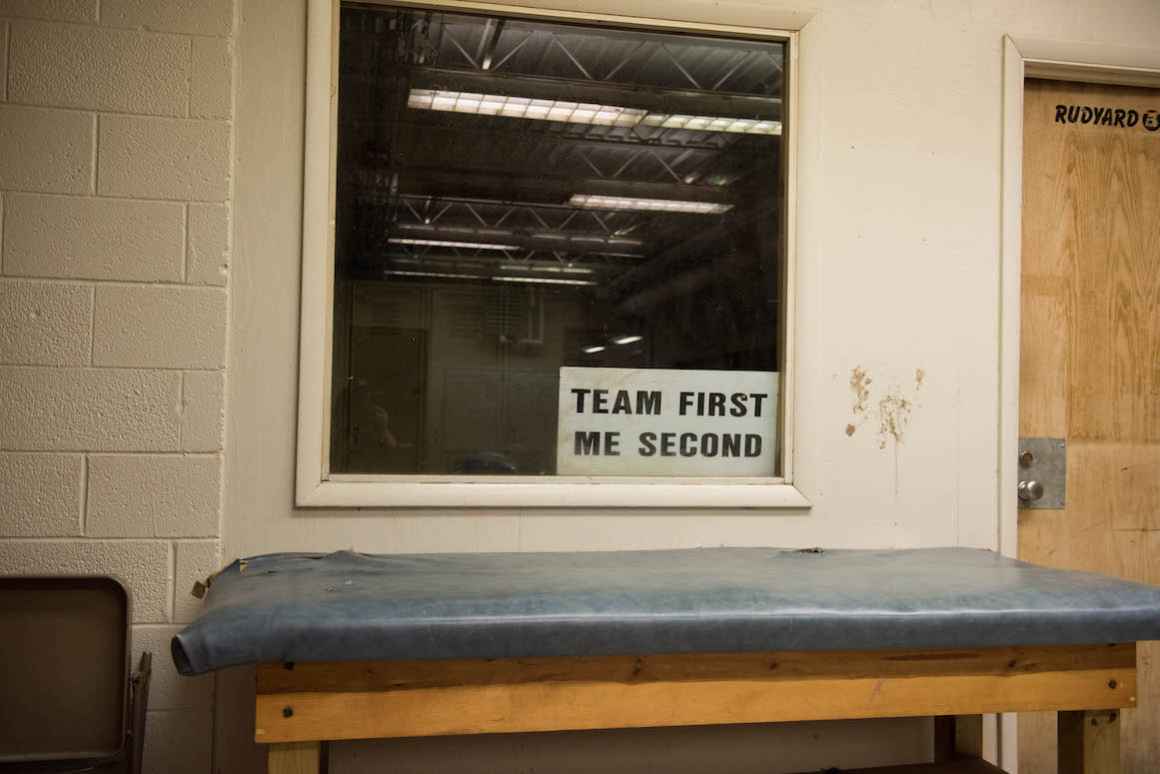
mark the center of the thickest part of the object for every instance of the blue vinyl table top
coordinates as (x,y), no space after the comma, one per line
(347,606)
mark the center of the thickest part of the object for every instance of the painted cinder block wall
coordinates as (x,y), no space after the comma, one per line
(115,187)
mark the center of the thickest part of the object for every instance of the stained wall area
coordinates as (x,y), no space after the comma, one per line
(115,195)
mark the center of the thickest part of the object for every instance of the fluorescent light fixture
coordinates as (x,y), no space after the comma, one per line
(523,107)
(449,275)
(485,264)
(543,280)
(712,124)
(627,339)
(600,202)
(426,235)
(585,113)
(435,274)
(547,268)
(595,239)
(446,243)
(593,349)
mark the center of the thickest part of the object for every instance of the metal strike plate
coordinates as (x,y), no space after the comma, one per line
(1042,473)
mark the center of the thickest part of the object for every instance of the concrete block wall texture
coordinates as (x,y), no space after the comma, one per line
(88,238)
(116,125)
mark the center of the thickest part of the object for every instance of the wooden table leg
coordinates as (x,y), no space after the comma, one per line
(295,758)
(1089,742)
(957,736)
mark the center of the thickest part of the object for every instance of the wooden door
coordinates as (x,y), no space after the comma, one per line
(1090,358)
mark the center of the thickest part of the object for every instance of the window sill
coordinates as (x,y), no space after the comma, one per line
(352,491)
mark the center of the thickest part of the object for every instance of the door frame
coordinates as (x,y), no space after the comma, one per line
(1055,60)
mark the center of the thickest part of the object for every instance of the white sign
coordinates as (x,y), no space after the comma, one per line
(660,422)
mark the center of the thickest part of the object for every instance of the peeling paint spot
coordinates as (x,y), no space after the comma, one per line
(860,385)
(893,418)
(893,411)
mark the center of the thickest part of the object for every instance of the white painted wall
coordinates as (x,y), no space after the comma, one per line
(115,176)
(898,270)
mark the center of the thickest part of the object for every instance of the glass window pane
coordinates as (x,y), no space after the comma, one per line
(514,197)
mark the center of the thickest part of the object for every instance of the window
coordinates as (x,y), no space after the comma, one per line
(559,250)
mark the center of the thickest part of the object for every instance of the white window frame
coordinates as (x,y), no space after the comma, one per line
(316,486)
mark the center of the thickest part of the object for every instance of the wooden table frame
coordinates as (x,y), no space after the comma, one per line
(299,707)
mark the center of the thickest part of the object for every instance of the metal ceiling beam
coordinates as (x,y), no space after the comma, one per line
(573,242)
(492,263)
(432,144)
(485,54)
(468,269)
(544,130)
(498,186)
(637,290)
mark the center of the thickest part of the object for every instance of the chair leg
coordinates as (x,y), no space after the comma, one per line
(295,758)
(1089,742)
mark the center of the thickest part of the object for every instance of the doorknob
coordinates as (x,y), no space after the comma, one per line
(1042,473)
(1030,491)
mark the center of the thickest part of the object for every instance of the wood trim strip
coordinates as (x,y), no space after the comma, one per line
(354,676)
(362,700)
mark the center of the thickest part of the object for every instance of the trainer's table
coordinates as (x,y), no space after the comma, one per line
(355,646)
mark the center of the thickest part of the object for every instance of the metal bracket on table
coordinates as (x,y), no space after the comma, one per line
(1042,473)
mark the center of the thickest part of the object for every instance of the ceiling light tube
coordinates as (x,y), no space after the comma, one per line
(449,243)
(450,275)
(601,202)
(593,349)
(486,264)
(454,232)
(435,274)
(712,124)
(473,103)
(548,268)
(543,280)
(619,340)
(524,107)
